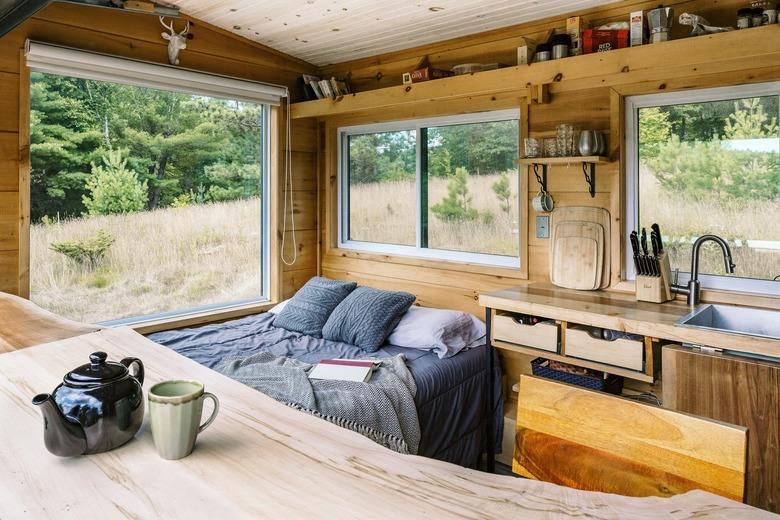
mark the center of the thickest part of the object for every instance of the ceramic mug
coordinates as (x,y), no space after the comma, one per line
(543,202)
(175,409)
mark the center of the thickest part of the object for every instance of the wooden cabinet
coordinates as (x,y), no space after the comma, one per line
(544,336)
(736,390)
(626,353)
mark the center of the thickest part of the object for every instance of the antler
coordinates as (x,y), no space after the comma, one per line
(186,28)
(169,27)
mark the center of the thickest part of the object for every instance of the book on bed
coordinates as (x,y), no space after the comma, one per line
(343,370)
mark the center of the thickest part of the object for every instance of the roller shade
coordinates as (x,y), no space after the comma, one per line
(66,61)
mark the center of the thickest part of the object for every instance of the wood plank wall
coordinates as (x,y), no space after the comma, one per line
(456,286)
(138,36)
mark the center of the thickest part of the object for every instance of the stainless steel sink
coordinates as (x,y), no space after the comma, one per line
(737,320)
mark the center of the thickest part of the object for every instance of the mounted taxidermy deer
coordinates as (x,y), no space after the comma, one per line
(176,41)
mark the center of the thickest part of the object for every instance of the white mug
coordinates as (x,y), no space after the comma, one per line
(543,202)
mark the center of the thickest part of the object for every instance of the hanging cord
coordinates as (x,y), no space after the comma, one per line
(288,186)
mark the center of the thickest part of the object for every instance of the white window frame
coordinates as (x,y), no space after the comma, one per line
(417,250)
(633,105)
(69,62)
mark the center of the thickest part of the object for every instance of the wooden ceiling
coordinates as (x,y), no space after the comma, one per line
(323,32)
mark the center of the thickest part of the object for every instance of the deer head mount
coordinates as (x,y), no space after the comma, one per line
(176,41)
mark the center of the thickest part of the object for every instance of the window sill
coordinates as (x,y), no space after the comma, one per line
(520,272)
(201,318)
(716,296)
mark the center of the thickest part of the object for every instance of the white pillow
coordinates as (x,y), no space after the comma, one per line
(444,331)
(276,309)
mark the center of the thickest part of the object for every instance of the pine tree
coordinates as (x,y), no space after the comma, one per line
(457,204)
(504,193)
(113,188)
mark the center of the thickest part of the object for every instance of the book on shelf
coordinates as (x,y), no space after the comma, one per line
(358,370)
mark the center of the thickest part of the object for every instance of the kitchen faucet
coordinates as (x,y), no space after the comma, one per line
(693,290)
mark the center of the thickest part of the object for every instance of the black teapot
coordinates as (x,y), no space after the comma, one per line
(99,406)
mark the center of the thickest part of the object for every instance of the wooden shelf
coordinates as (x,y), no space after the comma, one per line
(631,374)
(592,159)
(714,54)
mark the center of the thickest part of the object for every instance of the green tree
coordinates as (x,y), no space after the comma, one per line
(749,121)
(113,188)
(457,204)
(654,130)
(88,252)
(504,193)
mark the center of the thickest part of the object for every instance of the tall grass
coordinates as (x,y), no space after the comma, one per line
(162,260)
(683,218)
(385,212)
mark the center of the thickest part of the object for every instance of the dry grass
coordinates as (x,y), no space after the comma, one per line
(385,212)
(683,219)
(162,260)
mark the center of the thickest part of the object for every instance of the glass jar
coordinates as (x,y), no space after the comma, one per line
(757,18)
(532,147)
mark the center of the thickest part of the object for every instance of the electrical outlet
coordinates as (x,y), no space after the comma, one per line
(543,227)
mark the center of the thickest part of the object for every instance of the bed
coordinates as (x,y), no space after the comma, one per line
(451,392)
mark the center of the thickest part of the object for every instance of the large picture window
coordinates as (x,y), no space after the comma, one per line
(144,202)
(707,161)
(439,188)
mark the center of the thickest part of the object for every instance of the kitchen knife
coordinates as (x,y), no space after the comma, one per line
(646,256)
(654,243)
(657,230)
(635,247)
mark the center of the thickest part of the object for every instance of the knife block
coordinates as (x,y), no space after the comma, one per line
(656,289)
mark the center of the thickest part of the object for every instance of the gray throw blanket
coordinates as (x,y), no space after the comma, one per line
(382,409)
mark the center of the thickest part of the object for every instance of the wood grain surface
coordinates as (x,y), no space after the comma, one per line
(261,459)
(591,440)
(739,391)
(24,324)
(620,311)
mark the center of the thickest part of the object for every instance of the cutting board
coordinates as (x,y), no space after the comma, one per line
(587,214)
(577,255)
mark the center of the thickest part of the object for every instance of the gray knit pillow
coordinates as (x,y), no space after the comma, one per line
(367,317)
(309,309)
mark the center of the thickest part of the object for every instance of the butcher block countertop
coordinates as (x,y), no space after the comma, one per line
(262,459)
(621,311)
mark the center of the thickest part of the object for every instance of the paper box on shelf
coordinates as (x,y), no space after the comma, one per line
(595,40)
(574,27)
(637,24)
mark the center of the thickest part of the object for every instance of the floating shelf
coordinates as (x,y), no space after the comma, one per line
(593,159)
(588,168)
(721,53)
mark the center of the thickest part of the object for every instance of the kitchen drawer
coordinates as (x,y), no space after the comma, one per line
(543,336)
(625,353)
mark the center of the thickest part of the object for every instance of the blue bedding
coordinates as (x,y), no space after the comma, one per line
(450,392)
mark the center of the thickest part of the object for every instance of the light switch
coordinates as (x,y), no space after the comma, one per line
(543,227)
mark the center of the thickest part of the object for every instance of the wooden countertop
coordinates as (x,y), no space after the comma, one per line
(261,459)
(621,311)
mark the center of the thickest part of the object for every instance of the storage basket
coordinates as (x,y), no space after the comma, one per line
(612,384)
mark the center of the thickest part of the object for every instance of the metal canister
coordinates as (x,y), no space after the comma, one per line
(744,18)
(543,52)
(561,45)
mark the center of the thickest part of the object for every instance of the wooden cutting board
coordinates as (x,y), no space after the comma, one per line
(587,214)
(577,257)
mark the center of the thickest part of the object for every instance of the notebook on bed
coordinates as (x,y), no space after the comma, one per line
(343,370)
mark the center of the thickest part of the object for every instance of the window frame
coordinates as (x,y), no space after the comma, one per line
(202,313)
(419,126)
(632,106)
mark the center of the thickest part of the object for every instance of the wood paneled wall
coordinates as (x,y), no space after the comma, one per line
(584,103)
(138,36)
(500,45)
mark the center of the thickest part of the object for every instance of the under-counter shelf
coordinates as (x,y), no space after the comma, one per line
(620,352)
(543,336)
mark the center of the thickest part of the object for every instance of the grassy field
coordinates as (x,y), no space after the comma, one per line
(682,219)
(162,260)
(385,212)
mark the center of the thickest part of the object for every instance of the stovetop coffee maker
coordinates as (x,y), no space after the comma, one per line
(660,21)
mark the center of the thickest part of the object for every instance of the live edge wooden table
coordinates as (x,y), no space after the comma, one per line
(261,459)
